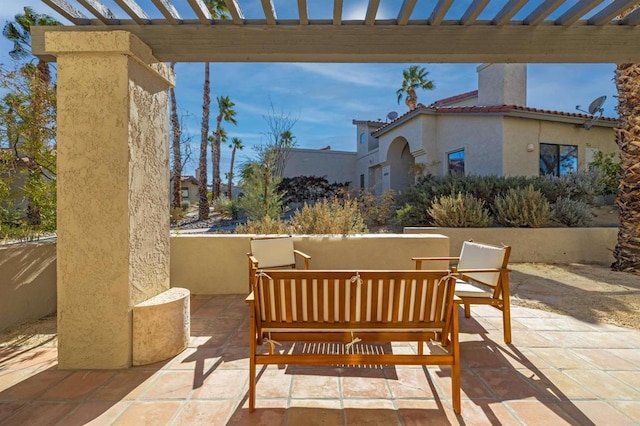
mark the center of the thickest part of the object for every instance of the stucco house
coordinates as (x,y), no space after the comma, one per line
(189,188)
(489,131)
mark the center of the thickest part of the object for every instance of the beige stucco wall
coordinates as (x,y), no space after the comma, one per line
(27,282)
(541,245)
(113,241)
(520,132)
(217,264)
(336,166)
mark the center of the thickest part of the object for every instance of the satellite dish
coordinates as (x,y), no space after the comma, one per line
(595,110)
(392,115)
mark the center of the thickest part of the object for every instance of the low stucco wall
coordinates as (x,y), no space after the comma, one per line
(540,245)
(217,264)
(27,282)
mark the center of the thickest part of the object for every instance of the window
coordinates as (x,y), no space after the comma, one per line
(362,138)
(185,192)
(558,160)
(455,163)
(361,181)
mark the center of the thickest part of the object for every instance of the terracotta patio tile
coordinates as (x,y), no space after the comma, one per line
(95,413)
(209,413)
(196,302)
(222,384)
(481,355)
(310,413)
(124,385)
(8,408)
(555,324)
(315,386)
(536,413)
(509,384)
(170,385)
(32,385)
(596,412)
(530,339)
(35,359)
(604,385)
(77,385)
(364,387)
(40,413)
(9,378)
(554,384)
(604,359)
(148,413)
(471,386)
(196,359)
(522,358)
(630,355)
(411,383)
(268,412)
(370,412)
(631,378)
(416,412)
(561,358)
(482,413)
(630,408)
(272,383)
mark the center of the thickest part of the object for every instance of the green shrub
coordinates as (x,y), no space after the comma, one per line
(229,209)
(459,211)
(377,210)
(266,225)
(329,217)
(609,170)
(523,207)
(185,205)
(176,214)
(572,212)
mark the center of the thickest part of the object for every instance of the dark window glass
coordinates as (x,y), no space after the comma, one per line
(558,160)
(455,163)
(361,181)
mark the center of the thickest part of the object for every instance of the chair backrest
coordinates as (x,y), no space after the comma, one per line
(273,252)
(483,256)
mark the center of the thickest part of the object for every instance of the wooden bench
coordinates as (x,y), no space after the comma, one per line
(311,306)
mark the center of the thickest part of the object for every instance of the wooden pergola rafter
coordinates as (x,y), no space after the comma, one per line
(553,31)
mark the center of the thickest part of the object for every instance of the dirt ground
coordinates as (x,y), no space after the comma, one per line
(589,293)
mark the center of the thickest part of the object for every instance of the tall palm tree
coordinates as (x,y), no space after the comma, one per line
(175,145)
(218,10)
(236,143)
(627,249)
(228,114)
(414,77)
(19,33)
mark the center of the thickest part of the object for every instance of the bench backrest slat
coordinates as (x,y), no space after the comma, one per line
(395,298)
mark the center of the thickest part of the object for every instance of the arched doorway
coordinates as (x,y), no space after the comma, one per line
(401,162)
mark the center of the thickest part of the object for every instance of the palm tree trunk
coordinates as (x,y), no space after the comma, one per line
(230,181)
(627,250)
(177,155)
(203,204)
(215,159)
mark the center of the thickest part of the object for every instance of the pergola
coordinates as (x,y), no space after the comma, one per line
(113,171)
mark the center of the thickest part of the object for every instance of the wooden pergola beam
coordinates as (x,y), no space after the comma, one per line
(372,10)
(134,11)
(67,11)
(471,14)
(378,43)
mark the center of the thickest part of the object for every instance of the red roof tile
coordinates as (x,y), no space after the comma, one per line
(456,98)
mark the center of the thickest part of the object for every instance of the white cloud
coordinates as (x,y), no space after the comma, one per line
(358,74)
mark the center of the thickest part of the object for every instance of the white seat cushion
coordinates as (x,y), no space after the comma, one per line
(481,256)
(465,289)
(273,252)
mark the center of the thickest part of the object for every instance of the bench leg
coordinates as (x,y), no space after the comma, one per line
(420,348)
(467,310)
(455,368)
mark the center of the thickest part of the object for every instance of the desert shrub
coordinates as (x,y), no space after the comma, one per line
(377,210)
(185,205)
(609,170)
(459,211)
(261,196)
(572,212)
(176,214)
(266,225)
(523,207)
(229,209)
(334,216)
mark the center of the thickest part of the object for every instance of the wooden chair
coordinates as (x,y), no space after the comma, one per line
(274,252)
(483,278)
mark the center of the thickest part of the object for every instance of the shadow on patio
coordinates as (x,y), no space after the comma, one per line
(558,371)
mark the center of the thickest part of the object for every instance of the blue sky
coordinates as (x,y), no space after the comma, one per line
(325,98)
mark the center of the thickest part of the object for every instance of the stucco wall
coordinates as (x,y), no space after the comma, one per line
(217,264)
(541,245)
(27,282)
(337,166)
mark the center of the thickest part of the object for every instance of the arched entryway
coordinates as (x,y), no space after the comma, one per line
(401,163)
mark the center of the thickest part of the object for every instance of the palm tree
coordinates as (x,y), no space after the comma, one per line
(415,77)
(218,10)
(175,144)
(19,32)
(228,114)
(236,144)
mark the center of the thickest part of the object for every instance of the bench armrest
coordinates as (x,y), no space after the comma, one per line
(251,298)
(304,257)
(419,260)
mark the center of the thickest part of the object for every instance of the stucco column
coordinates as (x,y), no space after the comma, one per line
(113,191)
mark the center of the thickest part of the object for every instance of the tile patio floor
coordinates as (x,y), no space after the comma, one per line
(558,371)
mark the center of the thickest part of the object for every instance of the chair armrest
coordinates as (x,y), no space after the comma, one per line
(419,260)
(251,298)
(253,260)
(464,271)
(304,257)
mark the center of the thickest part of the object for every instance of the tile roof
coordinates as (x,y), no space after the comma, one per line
(456,98)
